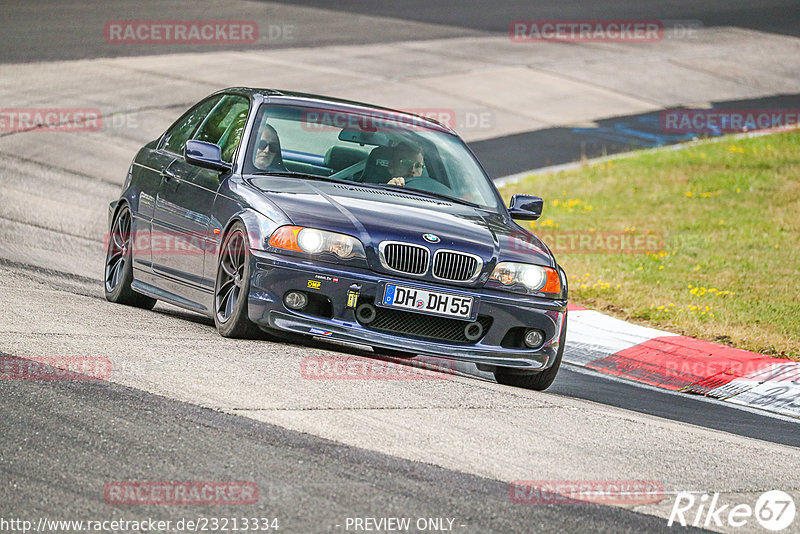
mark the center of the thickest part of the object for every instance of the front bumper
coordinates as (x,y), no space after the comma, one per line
(273,275)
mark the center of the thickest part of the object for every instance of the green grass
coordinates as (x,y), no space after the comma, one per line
(729,215)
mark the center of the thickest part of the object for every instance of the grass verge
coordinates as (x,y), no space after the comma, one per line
(726,217)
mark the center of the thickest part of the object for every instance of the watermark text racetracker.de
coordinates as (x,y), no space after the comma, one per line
(323,120)
(610,492)
(13,120)
(592,242)
(181,31)
(50,119)
(208,32)
(719,121)
(357,368)
(163,243)
(749,371)
(180,493)
(601,31)
(55,368)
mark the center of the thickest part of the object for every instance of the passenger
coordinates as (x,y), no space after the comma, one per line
(267,155)
(406,163)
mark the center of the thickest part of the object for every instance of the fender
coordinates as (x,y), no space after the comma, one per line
(259,227)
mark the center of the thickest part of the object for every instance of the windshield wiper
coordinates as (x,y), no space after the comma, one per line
(423,192)
(301,175)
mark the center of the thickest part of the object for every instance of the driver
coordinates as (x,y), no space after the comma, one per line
(407,162)
(267,154)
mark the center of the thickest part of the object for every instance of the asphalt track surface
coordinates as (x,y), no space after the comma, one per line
(52,29)
(106,432)
(776,16)
(517,153)
(61,441)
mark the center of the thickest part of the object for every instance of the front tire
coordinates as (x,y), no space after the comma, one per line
(232,286)
(119,265)
(537,381)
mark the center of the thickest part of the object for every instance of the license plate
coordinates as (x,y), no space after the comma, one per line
(432,302)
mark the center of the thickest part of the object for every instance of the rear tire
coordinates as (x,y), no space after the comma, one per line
(232,287)
(538,381)
(119,265)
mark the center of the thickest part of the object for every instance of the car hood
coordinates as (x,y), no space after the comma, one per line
(375,215)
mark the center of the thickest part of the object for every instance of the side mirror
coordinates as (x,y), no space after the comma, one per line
(526,207)
(207,155)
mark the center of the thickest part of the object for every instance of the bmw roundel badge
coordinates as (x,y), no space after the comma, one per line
(431,238)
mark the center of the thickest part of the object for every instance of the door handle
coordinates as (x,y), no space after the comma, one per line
(167,175)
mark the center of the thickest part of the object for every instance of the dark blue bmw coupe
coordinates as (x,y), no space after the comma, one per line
(278,211)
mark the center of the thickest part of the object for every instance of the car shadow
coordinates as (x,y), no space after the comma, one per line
(431,363)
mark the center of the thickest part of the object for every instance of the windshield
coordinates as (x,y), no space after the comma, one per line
(381,150)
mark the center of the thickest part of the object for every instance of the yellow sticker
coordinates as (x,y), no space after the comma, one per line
(352,299)
(314,284)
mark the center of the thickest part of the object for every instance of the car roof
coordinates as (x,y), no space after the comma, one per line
(337,104)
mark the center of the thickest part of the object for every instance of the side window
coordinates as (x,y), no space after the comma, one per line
(225,124)
(176,137)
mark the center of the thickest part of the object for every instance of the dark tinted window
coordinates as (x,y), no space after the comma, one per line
(176,137)
(225,124)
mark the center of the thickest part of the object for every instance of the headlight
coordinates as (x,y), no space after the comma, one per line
(310,240)
(313,241)
(532,277)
